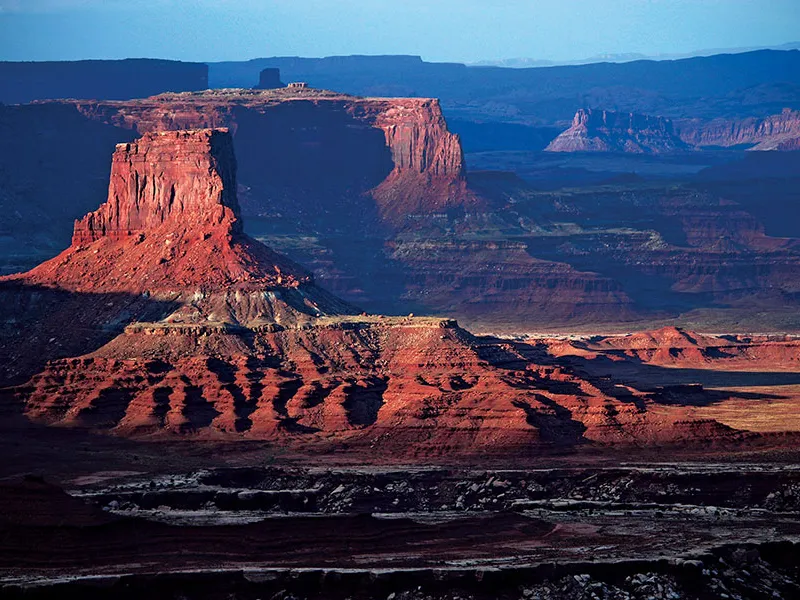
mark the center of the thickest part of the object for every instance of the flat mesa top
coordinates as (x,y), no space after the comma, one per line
(245,95)
(278,93)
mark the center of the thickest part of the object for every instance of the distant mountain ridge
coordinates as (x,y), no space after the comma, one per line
(22,82)
(525,63)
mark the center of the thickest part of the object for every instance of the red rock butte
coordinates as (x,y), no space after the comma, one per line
(183,179)
(170,223)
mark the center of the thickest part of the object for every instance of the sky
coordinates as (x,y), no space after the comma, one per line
(443,30)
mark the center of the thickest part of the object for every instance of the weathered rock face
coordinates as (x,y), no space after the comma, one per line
(429,174)
(595,130)
(776,132)
(416,167)
(183,178)
(269,79)
(417,134)
(171,223)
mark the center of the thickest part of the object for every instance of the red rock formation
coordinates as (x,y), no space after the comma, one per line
(404,387)
(170,223)
(776,132)
(247,346)
(172,177)
(674,346)
(428,177)
(606,131)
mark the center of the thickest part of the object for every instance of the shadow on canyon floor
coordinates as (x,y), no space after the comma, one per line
(40,324)
(648,377)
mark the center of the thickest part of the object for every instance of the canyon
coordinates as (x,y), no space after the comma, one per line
(197,329)
(230,364)
(376,198)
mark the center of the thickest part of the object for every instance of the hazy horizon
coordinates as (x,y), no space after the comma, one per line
(465,31)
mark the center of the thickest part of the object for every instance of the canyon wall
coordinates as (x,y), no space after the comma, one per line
(415,167)
(776,132)
(606,131)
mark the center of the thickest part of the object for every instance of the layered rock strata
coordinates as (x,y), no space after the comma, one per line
(244,345)
(775,132)
(607,131)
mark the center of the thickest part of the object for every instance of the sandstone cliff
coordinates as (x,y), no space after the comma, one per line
(416,167)
(170,228)
(595,130)
(429,174)
(185,177)
(776,132)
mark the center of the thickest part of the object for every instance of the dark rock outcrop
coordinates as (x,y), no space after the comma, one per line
(269,79)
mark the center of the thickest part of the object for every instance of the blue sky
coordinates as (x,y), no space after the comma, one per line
(444,30)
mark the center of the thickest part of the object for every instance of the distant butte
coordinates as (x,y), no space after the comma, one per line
(775,132)
(595,130)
